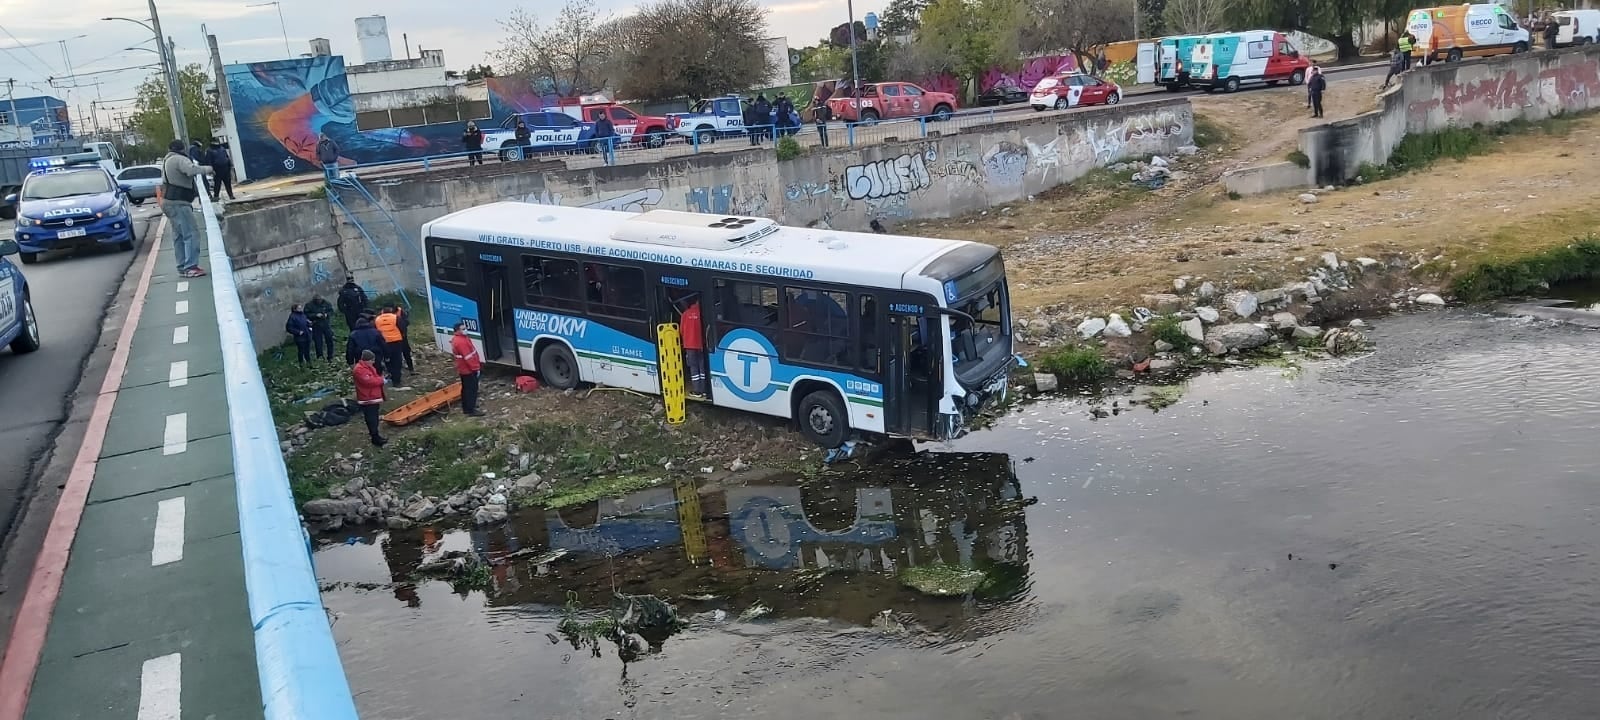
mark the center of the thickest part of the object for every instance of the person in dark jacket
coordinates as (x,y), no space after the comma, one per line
(605,139)
(299,327)
(780,115)
(321,313)
(751,121)
(365,337)
(352,300)
(197,152)
(472,140)
(328,155)
(821,113)
(221,170)
(1315,86)
(403,321)
(523,137)
(763,112)
(1552,31)
(369,394)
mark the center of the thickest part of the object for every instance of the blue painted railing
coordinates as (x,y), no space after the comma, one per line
(298,663)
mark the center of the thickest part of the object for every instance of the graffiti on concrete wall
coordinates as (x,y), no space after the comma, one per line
(722,200)
(1045,158)
(885,178)
(320,273)
(1006,163)
(636,201)
(1110,141)
(1472,95)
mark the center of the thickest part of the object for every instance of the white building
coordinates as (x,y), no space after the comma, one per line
(777,50)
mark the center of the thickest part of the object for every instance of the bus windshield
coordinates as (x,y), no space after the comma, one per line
(979,344)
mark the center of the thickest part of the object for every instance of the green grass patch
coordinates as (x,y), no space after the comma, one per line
(1299,158)
(1169,329)
(944,580)
(1210,133)
(1075,364)
(1419,151)
(788,148)
(584,492)
(1579,260)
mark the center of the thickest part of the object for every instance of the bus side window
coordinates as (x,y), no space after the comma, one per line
(615,290)
(449,264)
(818,327)
(869,333)
(552,283)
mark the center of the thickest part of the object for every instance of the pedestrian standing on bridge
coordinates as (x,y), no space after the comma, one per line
(1406,42)
(299,328)
(468,366)
(352,300)
(328,155)
(1316,86)
(222,171)
(388,324)
(321,313)
(472,140)
(369,394)
(178,193)
(1552,31)
(605,136)
(821,113)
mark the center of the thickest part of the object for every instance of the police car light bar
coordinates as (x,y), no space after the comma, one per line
(61,161)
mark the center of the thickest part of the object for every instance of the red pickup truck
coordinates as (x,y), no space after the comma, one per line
(890,100)
(637,129)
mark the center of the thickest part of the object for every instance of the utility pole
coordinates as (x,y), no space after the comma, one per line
(170,64)
(12,98)
(230,128)
(855,65)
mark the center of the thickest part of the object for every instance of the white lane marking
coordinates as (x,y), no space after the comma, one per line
(176,437)
(178,374)
(183,286)
(180,335)
(161,688)
(182,308)
(168,545)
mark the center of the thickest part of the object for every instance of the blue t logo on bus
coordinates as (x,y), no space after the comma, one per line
(745,362)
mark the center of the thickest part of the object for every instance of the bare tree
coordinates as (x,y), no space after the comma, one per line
(1077,26)
(1196,17)
(694,48)
(571,54)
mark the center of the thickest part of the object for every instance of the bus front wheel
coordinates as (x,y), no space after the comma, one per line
(558,367)
(822,418)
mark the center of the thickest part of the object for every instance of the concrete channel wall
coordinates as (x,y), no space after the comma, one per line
(285,251)
(1530,86)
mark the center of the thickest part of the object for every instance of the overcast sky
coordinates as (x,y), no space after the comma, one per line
(248,34)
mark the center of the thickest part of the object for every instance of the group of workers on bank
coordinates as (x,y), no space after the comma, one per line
(377,349)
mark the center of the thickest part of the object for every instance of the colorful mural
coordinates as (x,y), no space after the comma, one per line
(509,95)
(282,106)
(1029,74)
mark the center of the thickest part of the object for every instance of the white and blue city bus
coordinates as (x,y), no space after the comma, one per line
(842,332)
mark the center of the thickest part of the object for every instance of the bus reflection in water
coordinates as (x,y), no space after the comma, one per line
(849,541)
(843,333)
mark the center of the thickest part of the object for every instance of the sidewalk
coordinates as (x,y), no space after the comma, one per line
(152,619)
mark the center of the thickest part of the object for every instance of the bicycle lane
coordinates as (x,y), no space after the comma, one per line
(152,620)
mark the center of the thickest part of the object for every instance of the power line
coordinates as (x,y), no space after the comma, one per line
(35,55)
(103,72)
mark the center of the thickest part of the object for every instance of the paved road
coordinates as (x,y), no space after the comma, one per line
(70,296)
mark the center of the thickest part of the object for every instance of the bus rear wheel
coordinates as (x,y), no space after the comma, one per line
(822,418)
(557,367)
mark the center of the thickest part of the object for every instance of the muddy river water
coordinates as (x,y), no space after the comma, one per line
(1411,533)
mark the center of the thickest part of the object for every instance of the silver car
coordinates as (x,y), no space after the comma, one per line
(141,181)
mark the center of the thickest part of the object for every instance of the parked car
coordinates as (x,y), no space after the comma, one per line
(891,100)
(1070,90)
(548,131)
(712,118)
(647,130)
(18,326)
(141,182)
(1004,94)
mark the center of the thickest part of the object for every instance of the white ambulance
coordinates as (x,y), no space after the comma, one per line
(1224,61)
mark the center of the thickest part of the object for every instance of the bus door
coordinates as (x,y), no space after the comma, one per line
(911,392)
(495,319)
(677,296)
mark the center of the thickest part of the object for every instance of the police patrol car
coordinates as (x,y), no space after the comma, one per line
(548,131)
(17,324)
(70,202)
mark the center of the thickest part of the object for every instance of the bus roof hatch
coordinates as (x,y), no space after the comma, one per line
(693,230)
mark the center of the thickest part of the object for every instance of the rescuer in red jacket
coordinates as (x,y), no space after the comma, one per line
(692,331)
(468,366)
(369,394)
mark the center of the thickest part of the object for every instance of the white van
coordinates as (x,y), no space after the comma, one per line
(1578,27)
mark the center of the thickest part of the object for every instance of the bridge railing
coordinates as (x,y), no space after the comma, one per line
(300,672)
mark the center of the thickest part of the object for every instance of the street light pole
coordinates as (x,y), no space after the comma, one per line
(855,65)
(168,68)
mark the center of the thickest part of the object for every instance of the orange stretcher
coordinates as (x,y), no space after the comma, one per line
(424,406)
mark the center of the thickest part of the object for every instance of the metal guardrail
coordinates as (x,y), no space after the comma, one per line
(300,672)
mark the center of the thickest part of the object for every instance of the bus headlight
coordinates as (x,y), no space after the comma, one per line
(974,400)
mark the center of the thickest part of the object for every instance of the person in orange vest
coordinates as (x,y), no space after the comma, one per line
(692,331)
(468,366)
(388,324)
(369,394)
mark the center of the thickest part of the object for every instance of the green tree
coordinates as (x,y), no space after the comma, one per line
(1333,20)
(822,62)
(1153,17)
(570,56)
(693,48)
(972,35)
(479,72)
(902,17)
(153,122)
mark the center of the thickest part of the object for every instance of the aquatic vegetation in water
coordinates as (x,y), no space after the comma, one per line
(595,489)
(943,579)
(625,624)
(1163,397)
